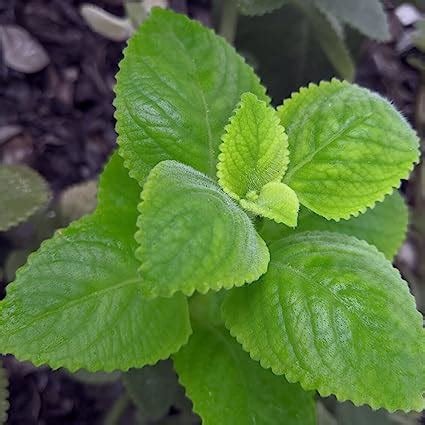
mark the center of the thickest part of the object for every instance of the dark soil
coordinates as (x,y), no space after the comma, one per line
(62,120)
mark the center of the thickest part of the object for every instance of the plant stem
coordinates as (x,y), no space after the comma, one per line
(117,410)
(229,19)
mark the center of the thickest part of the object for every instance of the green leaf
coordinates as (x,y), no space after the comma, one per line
(333,314)
(229,388)
(298,45)
(276,201)
(153,389)
(259,7)
(193,236)
(254,151)
(368,16)
(23,193)
(348,148)
(4,395)
(329,37)
(78,303)
(176,89)
(384,226)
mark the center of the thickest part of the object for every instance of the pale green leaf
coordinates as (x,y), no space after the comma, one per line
(384,226)
(23,192)
(78,303)
(259,7)
(298,45)
(193,236)
(153,389)
(348,147)
(329,37)
(254,151)
(368,16)
(333,314)
(177,87)
(276,201)
(229,388)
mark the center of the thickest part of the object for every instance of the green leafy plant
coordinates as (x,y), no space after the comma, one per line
(191,243)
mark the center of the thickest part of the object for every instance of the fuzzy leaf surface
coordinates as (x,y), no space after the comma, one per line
(254,151)
(384,226)
(333,314)
(227,387)
(276,201)
(348,148)
(193,236)
(368,16)
(177,87)
(23,192)
(78,303)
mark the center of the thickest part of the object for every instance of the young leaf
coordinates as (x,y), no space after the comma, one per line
(333,314)
(254,151)
(229,388)
(259,7)
(276,201)
(348,148)
(193,236)
(78,303)
(384,226)
(368,16)
(23,193)
(176,89)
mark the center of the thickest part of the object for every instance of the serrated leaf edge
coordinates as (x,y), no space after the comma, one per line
(322,388)
(223,147)
(396,183)
(23,356)
(159,291)
(117,114)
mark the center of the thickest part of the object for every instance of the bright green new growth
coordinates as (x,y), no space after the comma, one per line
(254,151)
(328,310)
(23,193)
(253,160)
(193,236)
(384,226)
(348,148)
(227,387)
(339,319)
(276,201)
